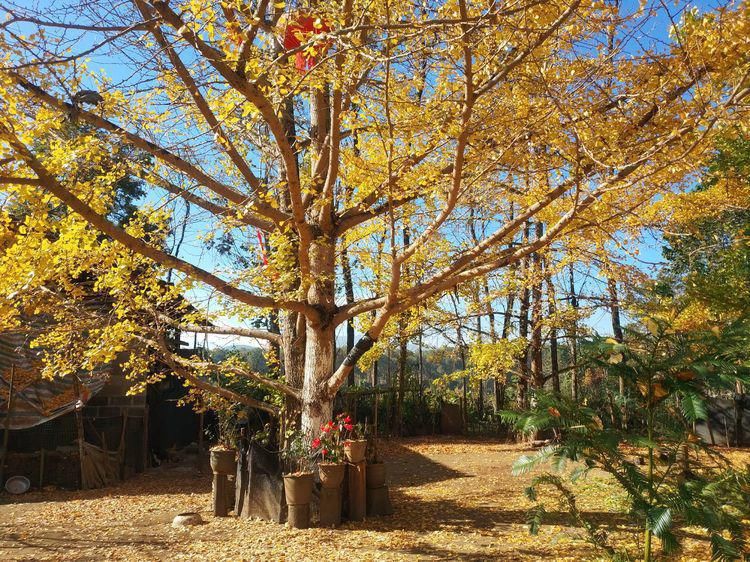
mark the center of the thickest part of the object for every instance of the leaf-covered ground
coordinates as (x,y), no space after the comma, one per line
(453,499)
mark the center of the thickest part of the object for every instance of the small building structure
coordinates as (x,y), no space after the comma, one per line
(84,430)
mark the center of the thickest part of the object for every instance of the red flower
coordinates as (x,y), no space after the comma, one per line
(316,443)
(325,452)
(349,427)
(325,429)
(347,419)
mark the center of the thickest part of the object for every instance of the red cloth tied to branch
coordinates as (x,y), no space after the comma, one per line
(298,31)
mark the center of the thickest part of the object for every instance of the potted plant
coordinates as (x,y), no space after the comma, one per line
(298,475)
(328,447)
(355,445)
(224,451)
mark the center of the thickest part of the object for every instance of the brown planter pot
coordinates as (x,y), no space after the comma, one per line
(376,475)
(331,474)
(298,488)
(224,461)
(355,450)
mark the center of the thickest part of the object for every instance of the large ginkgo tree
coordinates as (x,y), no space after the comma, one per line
(433,142)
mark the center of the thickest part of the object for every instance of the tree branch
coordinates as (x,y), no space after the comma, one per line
(172,160)
(254,95)
(222,330)
(202,105)
(182,368)
(50,184)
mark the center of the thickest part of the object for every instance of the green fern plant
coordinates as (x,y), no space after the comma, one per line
(670,375)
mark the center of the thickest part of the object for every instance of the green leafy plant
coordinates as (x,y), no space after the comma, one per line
(296,454)
(228,414)
(670,375)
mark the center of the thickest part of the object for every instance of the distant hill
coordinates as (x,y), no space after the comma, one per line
(436,362)
(251,355)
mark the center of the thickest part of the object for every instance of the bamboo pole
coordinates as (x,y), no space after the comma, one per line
(41,468)
(8,412)
(80,432)
(146,457)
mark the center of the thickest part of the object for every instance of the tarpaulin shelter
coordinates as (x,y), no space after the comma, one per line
(37,400)
(28,400)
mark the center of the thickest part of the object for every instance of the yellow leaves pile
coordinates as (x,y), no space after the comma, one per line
(454,499)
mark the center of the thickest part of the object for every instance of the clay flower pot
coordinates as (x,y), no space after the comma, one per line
(224,461)
(376,475)
(331,474)
(355,450)
(298,488)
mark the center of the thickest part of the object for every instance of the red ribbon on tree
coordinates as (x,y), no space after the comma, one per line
(298,30)
(262,245)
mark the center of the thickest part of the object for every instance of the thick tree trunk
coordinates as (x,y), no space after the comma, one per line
(537,366)
(317,408)
(462,356)
(293,354)
(317,403)
(523,330)
(291,324)
(421,364)
(402,357)
(403,341)
(498,383)
(480,397)
(504,381)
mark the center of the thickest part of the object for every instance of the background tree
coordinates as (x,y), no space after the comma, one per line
(367,120)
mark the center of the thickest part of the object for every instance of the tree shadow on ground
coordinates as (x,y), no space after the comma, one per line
(52,542)
(407,467)
(485,524)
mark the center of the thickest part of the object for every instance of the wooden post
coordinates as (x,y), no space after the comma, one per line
(726,430)
(121,446)
(357,490)
(299,516)
(200,432)
(330,507)
(199,458)
(710,431)
(220,495)
(41,469)
(80,432)
(6,435)
(378,502)
(146,456)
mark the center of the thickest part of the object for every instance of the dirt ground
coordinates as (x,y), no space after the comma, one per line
(453,501)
